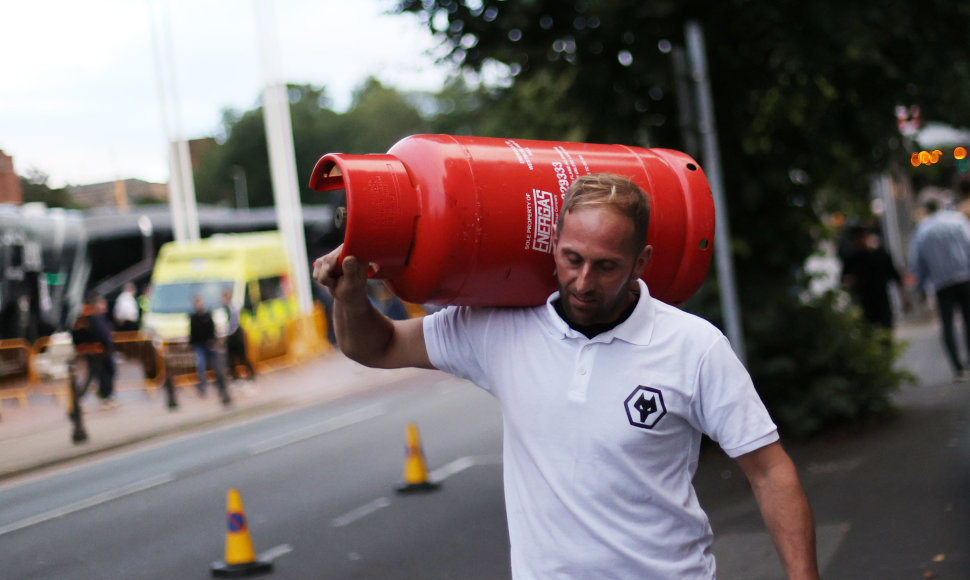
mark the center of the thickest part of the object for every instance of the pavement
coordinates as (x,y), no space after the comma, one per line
(39,435)
(891,500)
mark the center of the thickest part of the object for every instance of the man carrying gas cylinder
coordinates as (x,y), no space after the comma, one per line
(605,393)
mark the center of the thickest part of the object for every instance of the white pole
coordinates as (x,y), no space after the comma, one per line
(188,190)
(184,161)
(175,198)
(712,167)
(279,135)
(181,189)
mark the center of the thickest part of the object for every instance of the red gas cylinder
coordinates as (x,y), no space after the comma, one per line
(470,220)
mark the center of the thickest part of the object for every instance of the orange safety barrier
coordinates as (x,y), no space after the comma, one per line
(178,363)
(306,336)
(140,361)
(15,369)
(146,363)
(268,346)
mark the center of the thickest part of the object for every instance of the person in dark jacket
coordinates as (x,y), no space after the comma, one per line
(867,272)
(91,335)
(235,339)
(202,339)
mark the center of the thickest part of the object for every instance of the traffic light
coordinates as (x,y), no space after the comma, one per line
(960,159)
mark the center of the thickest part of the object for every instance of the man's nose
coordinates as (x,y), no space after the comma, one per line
(584,279)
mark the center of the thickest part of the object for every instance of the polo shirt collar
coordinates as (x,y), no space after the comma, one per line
(636,329)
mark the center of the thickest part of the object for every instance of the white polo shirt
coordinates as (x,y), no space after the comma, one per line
(602,435)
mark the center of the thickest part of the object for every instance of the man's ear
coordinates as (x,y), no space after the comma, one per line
(644,258)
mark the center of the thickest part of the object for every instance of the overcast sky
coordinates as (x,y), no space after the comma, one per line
(79,91)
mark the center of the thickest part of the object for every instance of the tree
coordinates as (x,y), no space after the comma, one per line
(804,95)
(377,118)
(35,188)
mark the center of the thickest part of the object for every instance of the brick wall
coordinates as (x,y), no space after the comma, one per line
(10,190)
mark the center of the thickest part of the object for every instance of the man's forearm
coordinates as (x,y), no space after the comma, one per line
(789,520)
(784,507)
(363,333)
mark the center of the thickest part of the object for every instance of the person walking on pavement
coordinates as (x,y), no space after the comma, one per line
(867,272)
(91,335)
(126,313)
(605,394)
(235,339)
(939,258)
(202,338)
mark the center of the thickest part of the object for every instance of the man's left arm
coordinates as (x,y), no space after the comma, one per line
(784,507)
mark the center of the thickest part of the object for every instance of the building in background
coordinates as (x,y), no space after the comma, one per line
(10,189)
(198,148)
(119,193)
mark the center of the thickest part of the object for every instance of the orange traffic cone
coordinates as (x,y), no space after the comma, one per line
(240,558)
(415,471)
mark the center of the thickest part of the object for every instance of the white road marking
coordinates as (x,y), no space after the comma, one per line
(461,464)
(276,552)
(360,513)
(310,431)
(92,501)
(438,475)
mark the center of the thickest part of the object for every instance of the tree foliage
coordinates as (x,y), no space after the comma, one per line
(378,117)
(35,188)
(804,96)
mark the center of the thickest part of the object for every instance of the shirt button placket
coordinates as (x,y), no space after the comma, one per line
(581,377)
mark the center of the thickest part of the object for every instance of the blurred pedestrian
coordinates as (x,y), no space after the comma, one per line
(202,338)
(940,261)
(92,339)
(235,339)
(126,313)
(867,272)
(963,197)
(605,395)
(389,304)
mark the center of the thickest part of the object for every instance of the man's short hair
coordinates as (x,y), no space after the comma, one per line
(614,191)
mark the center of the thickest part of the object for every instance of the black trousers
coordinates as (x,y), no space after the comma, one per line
(101,368)
(236,354)
(948,299)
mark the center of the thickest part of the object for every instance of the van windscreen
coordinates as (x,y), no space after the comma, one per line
(176,298)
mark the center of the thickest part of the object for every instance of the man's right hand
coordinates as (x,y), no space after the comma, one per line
(363,333)
(346,283)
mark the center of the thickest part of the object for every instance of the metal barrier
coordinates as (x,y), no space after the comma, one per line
(268,347)
(137,364)
(146,364)
(178,363)
(15,369)
(140,362)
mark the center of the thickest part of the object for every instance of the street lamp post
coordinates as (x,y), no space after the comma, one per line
(241,187)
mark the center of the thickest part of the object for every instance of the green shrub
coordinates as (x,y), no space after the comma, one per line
(819,365)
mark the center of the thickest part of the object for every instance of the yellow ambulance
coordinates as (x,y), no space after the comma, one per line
(253,267)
